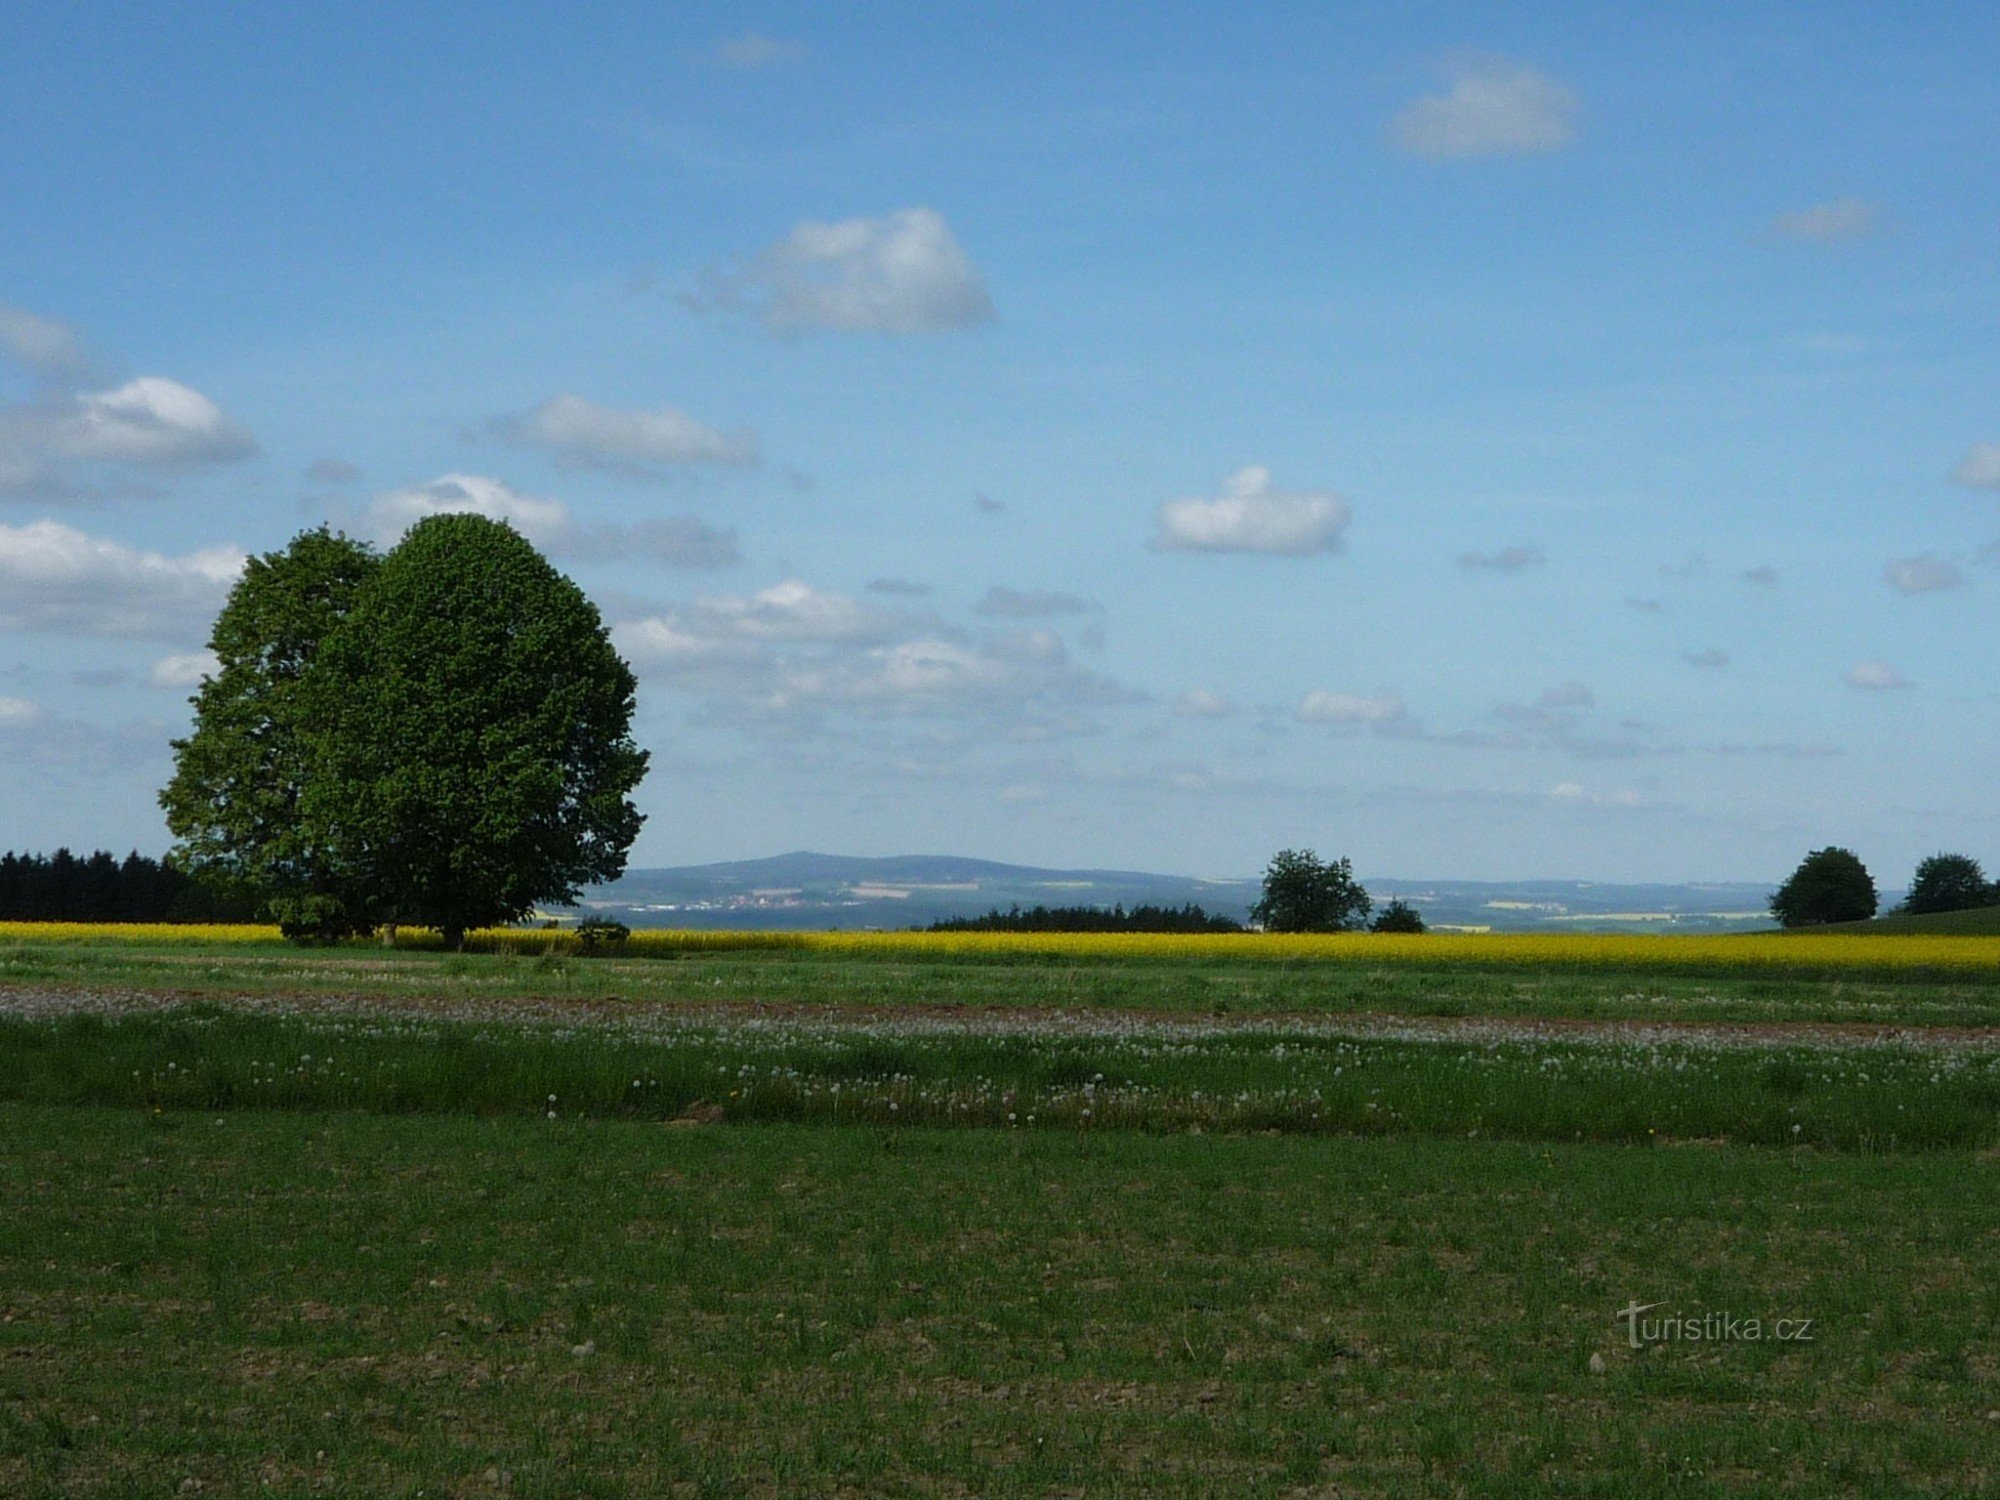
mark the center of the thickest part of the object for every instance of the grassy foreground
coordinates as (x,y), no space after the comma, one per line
(1222,981)
(290,1303)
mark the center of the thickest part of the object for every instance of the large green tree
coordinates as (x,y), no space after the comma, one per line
(1949,882)
(1830,885)
(471,733)
(240,778)
(1303,893)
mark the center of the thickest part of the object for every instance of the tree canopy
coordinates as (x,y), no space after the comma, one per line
(440,736)
(1399,916)
(1949,882)
(1830,885)
(1303,893)
(240,777)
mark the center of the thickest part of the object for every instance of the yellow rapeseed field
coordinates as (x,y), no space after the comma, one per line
(1748,952)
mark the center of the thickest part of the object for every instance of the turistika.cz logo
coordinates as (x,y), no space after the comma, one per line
(1707,1328)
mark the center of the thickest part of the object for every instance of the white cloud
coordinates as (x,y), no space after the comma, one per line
(1200,703)
(789,611)
(751,50)
(1494,108)
(396,511)
(1505,560)
(678,541)
(184,669)
(1558,711)
(901,273)
(1004,603)
(1980,468)
(787,654)
(48,348)
(900,588)
(19,713)
(333,471)
(1322,707)
(1922,575)
(582,432)
(1252,516)
(1576,792)
(1839,219)
(1874,676)
(148,421)
(54,578)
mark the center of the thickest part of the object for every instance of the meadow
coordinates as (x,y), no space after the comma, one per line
(923,1219)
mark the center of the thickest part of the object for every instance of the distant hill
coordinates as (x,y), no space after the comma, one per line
(1979,921)
(806,890)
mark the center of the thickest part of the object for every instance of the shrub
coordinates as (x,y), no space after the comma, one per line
(600,934)
(1399,916)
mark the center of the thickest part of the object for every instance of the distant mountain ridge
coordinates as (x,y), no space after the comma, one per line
(811,890)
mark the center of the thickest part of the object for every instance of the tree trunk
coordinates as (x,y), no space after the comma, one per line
(454,939)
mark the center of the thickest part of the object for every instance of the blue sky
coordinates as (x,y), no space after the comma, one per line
(1551,443)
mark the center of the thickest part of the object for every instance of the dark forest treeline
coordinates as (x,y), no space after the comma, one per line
(1188,918)
(100,887)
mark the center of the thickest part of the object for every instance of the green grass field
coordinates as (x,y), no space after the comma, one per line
(354,1223)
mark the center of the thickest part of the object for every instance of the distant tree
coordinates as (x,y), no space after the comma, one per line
(1302,893)
(236,798)
(1830,885)
(1398,916)
(1949,882)
(471,733)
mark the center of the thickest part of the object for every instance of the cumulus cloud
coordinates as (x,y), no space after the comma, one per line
(678,541)
(1827,223)
(1709,660)
(1200,703)
(1322,707)
(1557,711)
(752,50)
(1763,576)
(1922,575)
(1004,603)
(583,433)
(151,420)
(1874,676)
(1505,560)
(901,273)
(45,347)
(19,713)
(791,653)
(184,669)
(1980,468)
(1494,107)
(1251,515)
(899,588)
(56,579)
(986,505)
(396,511)
(333,471)
(148,423)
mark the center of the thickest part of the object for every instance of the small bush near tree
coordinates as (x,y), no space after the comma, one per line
(1949,882)
(1830,885)
(1398,916)
(1303,893)
(600,934)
